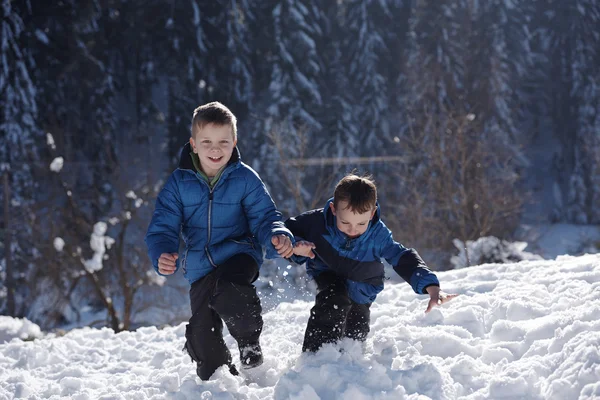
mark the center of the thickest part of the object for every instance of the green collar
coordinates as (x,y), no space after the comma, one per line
(211,181)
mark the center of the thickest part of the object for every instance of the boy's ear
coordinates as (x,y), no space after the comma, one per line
(332,207)
(373,212)
(193,144)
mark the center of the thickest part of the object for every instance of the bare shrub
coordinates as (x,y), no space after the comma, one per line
(457,183)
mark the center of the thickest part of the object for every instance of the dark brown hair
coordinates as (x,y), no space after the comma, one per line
(359,192)
(214,113)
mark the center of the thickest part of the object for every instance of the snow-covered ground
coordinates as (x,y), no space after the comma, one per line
(517,331)
(552,240)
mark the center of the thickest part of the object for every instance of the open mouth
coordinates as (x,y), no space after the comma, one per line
(215,159)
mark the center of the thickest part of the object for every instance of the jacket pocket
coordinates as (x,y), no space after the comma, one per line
(246,241)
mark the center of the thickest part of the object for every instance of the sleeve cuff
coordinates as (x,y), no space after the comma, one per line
(431,284)
(298,259)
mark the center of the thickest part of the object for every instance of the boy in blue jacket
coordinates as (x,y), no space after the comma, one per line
(226,216)
(342,246)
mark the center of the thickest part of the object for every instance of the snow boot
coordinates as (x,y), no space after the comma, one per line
(251,355)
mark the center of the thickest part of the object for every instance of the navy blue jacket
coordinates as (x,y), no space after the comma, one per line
(236,216)
(358,260)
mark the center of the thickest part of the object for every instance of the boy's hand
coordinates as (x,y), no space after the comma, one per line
(437,297)
(166,263)
(283,245)
(304,248)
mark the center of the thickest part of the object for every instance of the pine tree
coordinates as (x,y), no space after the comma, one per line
(229,75)
(498,55)
(393,61)
(18,102)
(98,67)
(294,85)
(18,126)
(186,58)
(289,125)
(77,98)
(573,33)
(459,133)
(340,114)
(436,45)
(586,86)
(365,50)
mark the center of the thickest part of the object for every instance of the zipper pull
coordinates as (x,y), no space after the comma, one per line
(210,196)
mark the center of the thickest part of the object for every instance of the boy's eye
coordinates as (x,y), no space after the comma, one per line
(345,223)
(362,223)
(206,141)
(224,141)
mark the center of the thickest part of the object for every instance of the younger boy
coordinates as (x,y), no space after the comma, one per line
(225,216)
(349,239)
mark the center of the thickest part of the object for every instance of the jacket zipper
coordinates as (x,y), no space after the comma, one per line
(185,260)
(210,200)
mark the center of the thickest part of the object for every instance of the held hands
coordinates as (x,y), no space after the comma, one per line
(437,297)
(283,245)
(304,248)
(166,263)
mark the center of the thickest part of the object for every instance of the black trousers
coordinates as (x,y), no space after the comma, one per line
(226,294)
(335,315)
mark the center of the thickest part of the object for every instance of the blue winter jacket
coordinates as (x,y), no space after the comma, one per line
(359,259)
(236,216)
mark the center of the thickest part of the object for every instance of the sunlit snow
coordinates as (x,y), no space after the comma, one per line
(529,330)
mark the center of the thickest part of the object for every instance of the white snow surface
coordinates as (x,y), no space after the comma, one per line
(529,330)
(57,164)
(99,243)
(17,328)
(59,243)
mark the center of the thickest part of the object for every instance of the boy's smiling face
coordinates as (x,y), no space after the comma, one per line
(214,145)
(348,222)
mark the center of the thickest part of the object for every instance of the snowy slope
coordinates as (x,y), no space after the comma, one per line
(518,331)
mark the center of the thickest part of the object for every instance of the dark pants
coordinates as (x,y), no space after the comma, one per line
(226,294)
(335,315)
